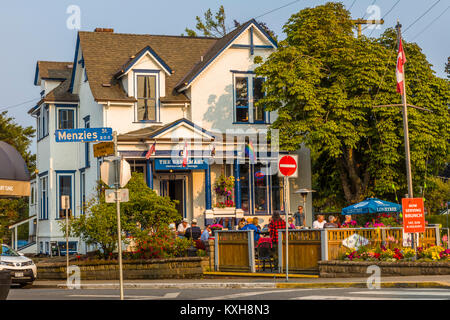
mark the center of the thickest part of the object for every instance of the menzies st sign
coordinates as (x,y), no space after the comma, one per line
(84,135)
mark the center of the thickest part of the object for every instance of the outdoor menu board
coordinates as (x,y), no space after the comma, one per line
(413,215)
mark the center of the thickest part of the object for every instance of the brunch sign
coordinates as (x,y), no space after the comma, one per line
(413,215)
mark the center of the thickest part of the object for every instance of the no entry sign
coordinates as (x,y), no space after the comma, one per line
(287,166)
(413,215)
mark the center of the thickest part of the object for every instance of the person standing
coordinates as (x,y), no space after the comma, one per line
(299,217)
(276,224)
(318,224)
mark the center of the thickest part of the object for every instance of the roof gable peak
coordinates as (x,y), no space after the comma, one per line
(146,51)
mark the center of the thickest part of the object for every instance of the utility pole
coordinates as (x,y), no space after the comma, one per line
(360,22)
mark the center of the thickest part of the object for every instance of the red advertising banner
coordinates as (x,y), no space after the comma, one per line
(413,215)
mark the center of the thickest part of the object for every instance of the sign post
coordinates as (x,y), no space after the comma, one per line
(413,218)
(65,206)
(287,166)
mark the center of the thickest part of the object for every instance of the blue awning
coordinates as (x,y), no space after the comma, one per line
(372,205)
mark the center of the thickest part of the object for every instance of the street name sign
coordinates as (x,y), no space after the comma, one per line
(287,166)
(84,135)
(413,215)
(103,149)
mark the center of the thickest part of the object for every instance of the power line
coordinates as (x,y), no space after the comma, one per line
(270,11)
(351,5)
(421,16)
(366,9)
(276,9)
(389,11)
(429,25)
(17,105)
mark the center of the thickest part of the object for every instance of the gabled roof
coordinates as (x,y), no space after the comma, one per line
(217,49)
(59,71)
(153,132)
(106,52)
(134,59)
(52,70)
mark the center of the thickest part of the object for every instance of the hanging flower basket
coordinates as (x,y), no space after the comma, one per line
(224,190)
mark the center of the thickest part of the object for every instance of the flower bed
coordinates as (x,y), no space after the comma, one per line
(432,253)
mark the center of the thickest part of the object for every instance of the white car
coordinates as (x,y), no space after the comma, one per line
(23,270)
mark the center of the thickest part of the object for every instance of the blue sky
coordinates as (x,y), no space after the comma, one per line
(36,30)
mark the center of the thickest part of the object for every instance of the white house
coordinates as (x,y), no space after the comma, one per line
(165,91)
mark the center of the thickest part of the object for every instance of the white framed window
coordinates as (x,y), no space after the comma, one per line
(147,94)
(43,121)
(65,187)
(66,119)
(43,198)
(247,91)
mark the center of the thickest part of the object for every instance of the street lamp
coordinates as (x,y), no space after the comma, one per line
(304,192)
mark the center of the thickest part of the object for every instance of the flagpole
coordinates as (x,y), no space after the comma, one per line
(406,136)
(405,126)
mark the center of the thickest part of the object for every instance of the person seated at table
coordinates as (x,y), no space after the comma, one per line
(291,224)
(318,224)
(193,232)
(331,223)
(181,230)
(253,225)
(241,224)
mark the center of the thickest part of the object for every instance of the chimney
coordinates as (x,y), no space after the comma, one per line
(104,30)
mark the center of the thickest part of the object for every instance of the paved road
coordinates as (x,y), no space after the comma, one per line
(232,294)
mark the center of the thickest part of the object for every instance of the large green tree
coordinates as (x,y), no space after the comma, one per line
(324,82)
(20,138)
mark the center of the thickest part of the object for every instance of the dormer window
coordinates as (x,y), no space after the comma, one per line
(146,86)
(146,97)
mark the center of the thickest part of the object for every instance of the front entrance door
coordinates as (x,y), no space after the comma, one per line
(174,186)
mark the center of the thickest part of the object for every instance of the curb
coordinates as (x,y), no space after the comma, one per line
(260,275)
(259,285)
(176,286)
(424,284)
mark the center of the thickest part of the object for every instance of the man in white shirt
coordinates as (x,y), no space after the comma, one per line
(318,224)
(182,228)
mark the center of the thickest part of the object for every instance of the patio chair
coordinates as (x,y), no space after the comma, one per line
(265,255)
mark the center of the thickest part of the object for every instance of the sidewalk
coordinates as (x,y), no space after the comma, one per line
(256,283)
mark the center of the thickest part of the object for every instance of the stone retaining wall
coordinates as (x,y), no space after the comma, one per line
(174,268)
(344,269)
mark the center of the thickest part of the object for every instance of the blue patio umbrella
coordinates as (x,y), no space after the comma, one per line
(372,205)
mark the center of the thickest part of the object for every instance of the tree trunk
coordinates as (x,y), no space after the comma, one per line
(353,177)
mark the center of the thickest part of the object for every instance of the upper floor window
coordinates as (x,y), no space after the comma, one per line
(66,119)
(146,95)
(248,91)
(43,120)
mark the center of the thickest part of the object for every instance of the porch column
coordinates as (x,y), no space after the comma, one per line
(149,174)
(208,187)
(237,184)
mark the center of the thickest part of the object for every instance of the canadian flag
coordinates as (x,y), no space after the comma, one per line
(185,154)
(399,71)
